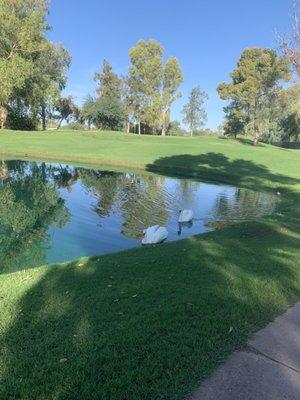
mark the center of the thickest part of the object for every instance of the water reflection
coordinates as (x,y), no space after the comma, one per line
(55,212)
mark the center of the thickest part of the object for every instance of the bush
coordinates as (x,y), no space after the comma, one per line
(20,120)
(75,126)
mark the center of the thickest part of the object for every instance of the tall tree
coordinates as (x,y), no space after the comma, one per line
(42,90)
(127,102)
(22,27)
(172,78)
(291,45)
(32,69)
(194,112)
(153,84)
(145,75)
(255,87)
(108,83)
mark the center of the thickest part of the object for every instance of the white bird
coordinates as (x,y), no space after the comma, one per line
(185,216)
(155,234)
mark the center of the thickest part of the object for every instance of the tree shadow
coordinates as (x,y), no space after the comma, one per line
(145,323)
(151,322)
(217,167)
(249,142)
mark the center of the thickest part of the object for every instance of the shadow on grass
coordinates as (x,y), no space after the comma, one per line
(216,166)
(147,323)
(249,142)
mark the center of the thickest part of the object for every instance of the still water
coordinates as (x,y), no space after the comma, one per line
(55,212)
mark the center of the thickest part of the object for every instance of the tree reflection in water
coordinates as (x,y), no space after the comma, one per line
(54,212)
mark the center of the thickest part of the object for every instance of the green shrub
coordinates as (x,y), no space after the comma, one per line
(21,120)
(75,126)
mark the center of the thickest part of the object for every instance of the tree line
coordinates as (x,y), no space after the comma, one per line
(33,74)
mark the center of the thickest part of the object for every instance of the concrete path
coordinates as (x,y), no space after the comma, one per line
(268,369)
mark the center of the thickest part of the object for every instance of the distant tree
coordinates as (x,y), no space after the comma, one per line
(145,76)
(109,113)
(254,89)
(65,108)
(194,112)
(153,85)
(174,128)
(291,45)
(108,83)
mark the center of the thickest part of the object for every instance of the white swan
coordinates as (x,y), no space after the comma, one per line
(185,216)
(155,234)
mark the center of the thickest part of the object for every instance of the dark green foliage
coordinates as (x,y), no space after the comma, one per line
(104,112)
(291,126)
(236,120)
(32,69)
(254,91)
(75,125)
(27,207)
(109,113)
(20,118)
(175,129)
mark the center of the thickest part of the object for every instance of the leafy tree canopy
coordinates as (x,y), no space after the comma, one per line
(194,112)
(254,89)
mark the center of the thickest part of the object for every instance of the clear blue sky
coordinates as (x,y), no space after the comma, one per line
(207,36)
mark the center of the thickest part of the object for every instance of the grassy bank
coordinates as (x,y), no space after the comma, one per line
(150,322)
(237,161)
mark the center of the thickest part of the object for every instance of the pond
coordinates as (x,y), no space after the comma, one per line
(52,212)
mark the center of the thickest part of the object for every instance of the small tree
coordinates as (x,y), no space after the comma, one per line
(194,112)
(88,111)
(109,113)
(65,108)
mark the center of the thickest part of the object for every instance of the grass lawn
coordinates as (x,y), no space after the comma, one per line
(150,323)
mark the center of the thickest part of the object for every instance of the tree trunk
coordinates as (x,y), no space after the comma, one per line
(43,115)
(256,140)
(164,128)
(128,127)
(59,123)
(3,116)
(191,133)
(139,127)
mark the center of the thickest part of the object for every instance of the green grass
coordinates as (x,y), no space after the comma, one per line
(173,154)
(150,323)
